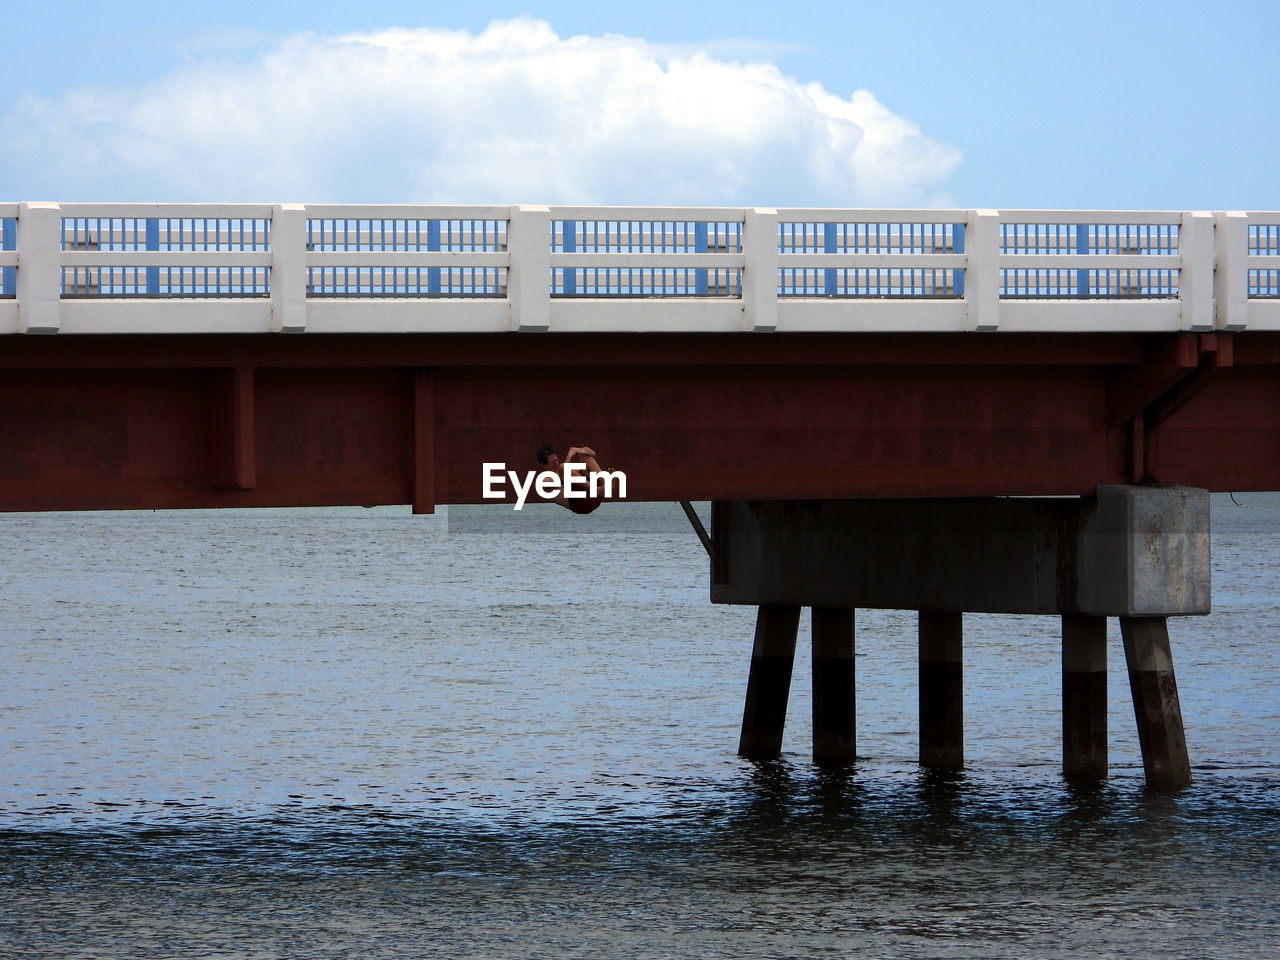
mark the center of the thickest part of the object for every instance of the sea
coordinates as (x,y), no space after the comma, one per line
(363,733)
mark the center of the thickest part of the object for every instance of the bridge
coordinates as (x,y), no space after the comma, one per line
(786,364)
(781,354)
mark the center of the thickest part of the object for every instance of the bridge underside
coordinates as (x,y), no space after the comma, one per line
(102,421)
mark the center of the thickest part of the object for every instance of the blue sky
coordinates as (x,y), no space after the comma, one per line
(974,104)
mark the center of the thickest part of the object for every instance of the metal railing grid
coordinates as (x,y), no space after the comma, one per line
(165,282)
(1139,239)
(1069,283)
(607,240)
(1264,241)
(864,239)
(414,235)
(148,236)
(410,282)
(8,244)
(166,233)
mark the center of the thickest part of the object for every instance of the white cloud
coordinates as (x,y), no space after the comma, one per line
(513,114)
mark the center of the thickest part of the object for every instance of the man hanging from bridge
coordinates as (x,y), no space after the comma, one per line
(576,502)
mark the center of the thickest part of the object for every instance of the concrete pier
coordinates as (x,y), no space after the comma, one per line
(834,699)
(1139,553)
(769,683)
(941,690)
(1084,697)
(1155,701)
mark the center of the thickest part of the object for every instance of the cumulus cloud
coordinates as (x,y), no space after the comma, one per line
(512,114)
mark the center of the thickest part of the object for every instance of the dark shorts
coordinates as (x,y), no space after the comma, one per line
(582,505)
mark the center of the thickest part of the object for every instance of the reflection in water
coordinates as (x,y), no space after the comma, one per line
(782,859)
(347,733)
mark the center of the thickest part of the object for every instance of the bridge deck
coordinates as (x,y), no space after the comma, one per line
(710,353)
(249,420)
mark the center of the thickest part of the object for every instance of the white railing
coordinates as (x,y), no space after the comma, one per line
(175,268)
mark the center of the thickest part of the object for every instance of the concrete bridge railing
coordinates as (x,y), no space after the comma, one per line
(200,268)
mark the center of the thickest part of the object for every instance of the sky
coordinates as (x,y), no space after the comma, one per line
(1087,105)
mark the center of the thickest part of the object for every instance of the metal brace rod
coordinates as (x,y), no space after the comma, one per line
(696,521)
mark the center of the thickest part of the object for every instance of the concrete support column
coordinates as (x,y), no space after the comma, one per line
(769,684)
(834,713)
(1155,701)
(941,690)
(1084,697)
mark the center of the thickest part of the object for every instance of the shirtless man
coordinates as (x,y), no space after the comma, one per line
(550,460)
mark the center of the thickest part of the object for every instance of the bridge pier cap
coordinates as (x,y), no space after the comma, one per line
(1127,551)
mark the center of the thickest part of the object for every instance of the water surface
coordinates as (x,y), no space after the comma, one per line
(342,732)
